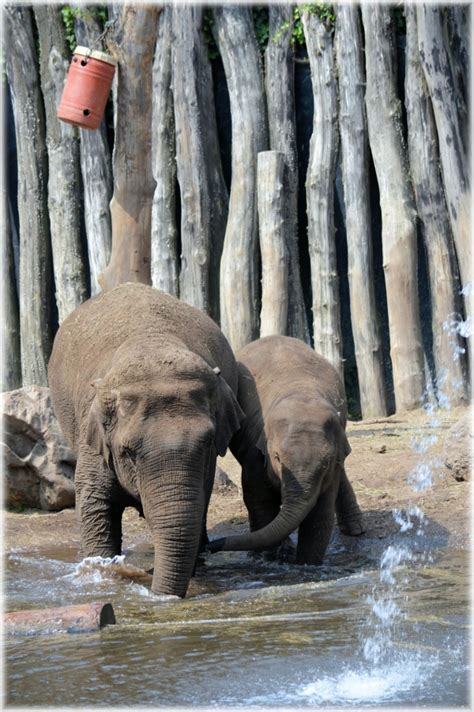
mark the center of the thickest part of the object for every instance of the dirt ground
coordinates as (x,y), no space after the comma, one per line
(384,453)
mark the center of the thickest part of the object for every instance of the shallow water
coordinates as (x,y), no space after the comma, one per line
(249,633)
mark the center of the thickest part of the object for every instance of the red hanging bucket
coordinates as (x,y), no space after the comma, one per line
(87,88)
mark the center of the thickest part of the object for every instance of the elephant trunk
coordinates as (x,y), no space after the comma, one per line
(173,503)
(295,507)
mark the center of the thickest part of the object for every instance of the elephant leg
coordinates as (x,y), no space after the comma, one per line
(98,505)
(261,499)
(349,516)
(315,530)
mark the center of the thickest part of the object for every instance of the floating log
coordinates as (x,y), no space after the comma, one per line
(82,618)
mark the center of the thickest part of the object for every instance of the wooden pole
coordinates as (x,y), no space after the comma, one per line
(397,207)
(164,233)
(355,176)
(280,94)
(235,36)
(320,192)
(35,245)
(11,367)
(132,43)
(64,172)
(272,210)
(200,177)
(96,167)
(452,123)
(431,203)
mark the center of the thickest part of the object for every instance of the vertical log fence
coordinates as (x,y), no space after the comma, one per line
(158,210)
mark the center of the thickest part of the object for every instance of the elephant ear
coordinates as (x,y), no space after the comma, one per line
(101,417)
(336,434)
(229,415)
(343,448)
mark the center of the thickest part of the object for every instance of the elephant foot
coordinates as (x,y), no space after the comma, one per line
(352,527)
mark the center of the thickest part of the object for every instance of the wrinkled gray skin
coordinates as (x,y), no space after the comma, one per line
(144,387)
(292,447)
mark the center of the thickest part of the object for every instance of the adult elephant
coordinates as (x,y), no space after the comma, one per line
(292,446)
(144,387)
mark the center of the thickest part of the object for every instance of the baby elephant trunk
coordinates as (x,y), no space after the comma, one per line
(294,510)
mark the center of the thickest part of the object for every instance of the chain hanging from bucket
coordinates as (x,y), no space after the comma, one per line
(88,85)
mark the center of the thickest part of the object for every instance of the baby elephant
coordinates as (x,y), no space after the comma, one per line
(292,448)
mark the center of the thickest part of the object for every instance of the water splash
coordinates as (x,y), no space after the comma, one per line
(422,476)
(385,612)
(95,569)
(369,686)
(404,518)
(457,327)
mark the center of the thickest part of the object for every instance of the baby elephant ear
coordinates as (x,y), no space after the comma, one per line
(344,449)
(229,415)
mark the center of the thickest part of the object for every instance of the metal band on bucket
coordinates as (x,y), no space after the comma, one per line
(95,54)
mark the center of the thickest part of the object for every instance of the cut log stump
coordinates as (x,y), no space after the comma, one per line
(82,618)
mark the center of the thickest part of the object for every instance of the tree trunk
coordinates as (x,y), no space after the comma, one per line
(164,235)
(235,36)
(280,93)
(217,186)
(452,124)
(35,246)
(132,43)
(96,167)
(459,24)
(203,191)
(320,193)
(272,210)
(397,207)
(355,175)
(427,182)
(11,373)
(64,180)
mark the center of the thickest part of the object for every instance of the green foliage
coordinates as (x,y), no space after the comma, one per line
(279,33)
(324,11)
(262,30)
(207,25)
(68,13)
(261,24)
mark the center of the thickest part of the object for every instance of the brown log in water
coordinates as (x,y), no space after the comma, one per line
(82,618)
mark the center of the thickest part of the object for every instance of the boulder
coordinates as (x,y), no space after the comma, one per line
(458,449)
(222,481)
(39,466)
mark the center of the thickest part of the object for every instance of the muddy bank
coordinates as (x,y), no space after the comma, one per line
(384,453)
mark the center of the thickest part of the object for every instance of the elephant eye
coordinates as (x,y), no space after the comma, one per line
(127,405)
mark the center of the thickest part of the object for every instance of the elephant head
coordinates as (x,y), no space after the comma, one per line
(303,441)
(158,418)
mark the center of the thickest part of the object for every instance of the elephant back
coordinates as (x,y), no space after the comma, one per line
(284,366)
(88,338)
